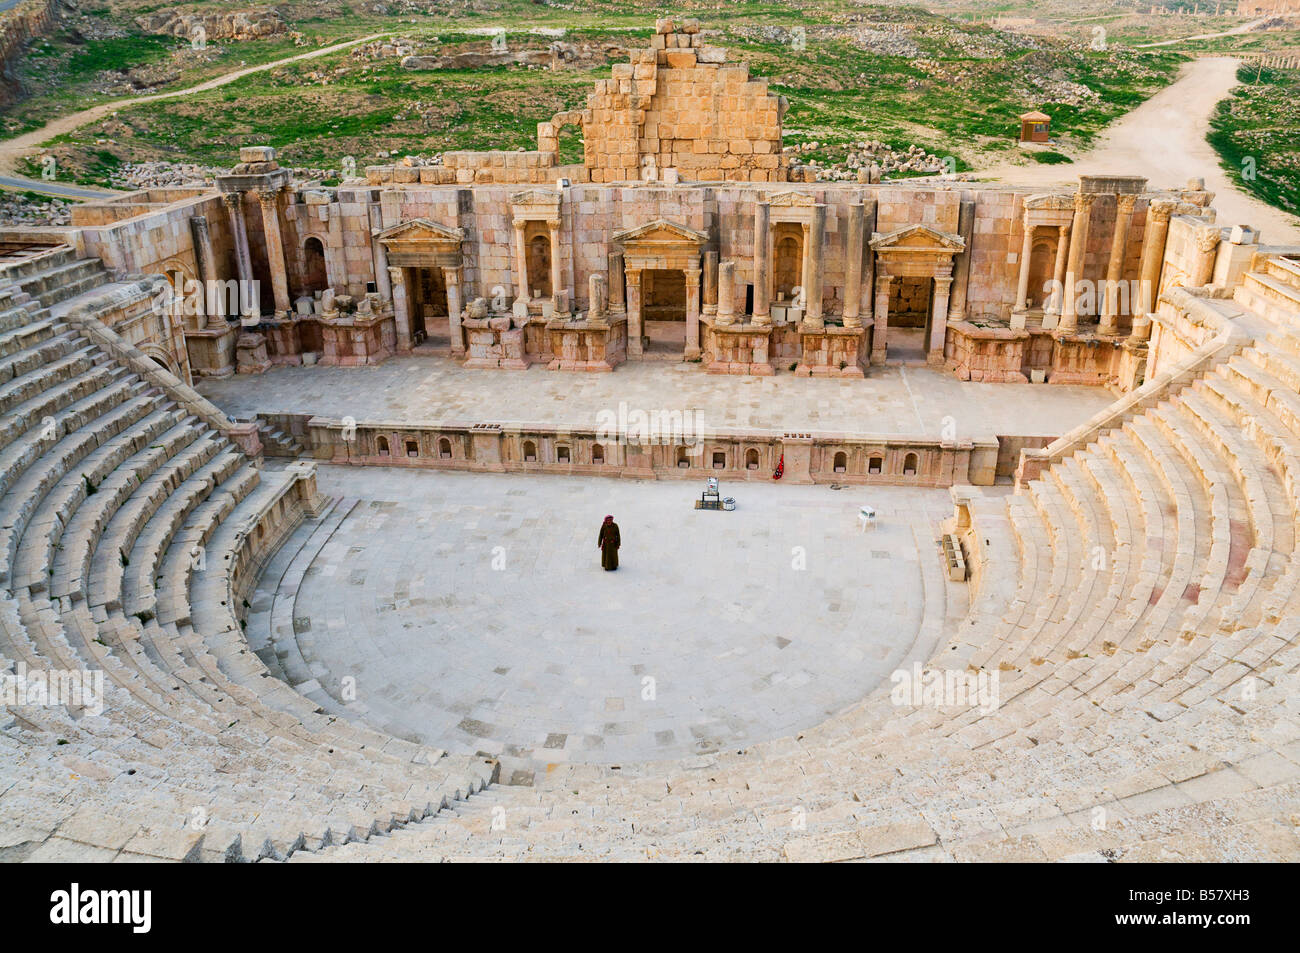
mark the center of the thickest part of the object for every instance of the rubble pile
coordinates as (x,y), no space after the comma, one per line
(31,211)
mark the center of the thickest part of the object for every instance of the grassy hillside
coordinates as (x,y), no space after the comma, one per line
(891,73)
(1255,131)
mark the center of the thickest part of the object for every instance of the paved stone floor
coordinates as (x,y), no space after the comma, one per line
(893,399)
(473,613)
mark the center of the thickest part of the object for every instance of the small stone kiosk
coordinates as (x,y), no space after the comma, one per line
(1035,128)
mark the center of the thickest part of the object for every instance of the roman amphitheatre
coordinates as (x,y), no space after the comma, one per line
(302,473)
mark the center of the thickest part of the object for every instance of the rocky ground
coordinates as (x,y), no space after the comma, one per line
(26,209)
(879,159)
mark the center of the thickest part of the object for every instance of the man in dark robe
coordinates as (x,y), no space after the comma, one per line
(607,542)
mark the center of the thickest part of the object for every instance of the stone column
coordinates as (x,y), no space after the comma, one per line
(597,298)
(1053,306)
(557,293)
(710,282)
(451,278)
(813,271)
(336,267)
(634,345)
(1115,267)
(879,344)
(939,319)
(853,268)
(961,274)
(1207,252)
(379,256)
(692,313)
(726,294)
(249,298)
(1022,285)
(762,266)
(801,299)
(205,261)
(1153,258)
(1074,265)
(269,199)
(521,263)
(869,266)
(616,299)
(401,308)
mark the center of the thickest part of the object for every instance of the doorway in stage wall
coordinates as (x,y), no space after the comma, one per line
(430,324)
(664,313)
(787,260)
(910,313)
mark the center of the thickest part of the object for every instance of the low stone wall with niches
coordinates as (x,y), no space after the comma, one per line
(808,458)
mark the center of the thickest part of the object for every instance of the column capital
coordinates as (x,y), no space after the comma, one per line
(268,196)
(395,274)
(1160,211)
(1208,241)
(942,282)
(553,224)
(519,224)
(1126,203)
(632,276)
(1083,201)
(233,200)
(1065,229)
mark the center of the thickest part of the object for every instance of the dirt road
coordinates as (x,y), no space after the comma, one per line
(1164,139)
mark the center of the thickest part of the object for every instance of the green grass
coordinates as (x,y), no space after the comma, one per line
(1050,158)
(949,102)
(1255,134)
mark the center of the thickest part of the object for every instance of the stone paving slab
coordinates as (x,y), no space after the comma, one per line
(473,614)
(892,400)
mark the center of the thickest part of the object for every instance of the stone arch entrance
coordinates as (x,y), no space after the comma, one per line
(315,271)
(787,259)
(539,260)
(1041,264)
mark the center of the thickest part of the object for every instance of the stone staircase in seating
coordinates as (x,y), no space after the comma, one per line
(131,528)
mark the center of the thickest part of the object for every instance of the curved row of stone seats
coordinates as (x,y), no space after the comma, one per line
(98,467)
(1149,660)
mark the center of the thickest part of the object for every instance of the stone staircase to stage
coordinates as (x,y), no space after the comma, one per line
(130,528)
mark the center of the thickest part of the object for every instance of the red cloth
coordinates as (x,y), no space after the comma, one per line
(780,469)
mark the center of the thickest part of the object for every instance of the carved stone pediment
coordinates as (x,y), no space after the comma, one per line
(1050,201)
(791,199)
(917,238)
(662,232)
(420,243)
(535,199)
(419,231)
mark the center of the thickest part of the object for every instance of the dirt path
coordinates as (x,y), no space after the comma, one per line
(1243,28)
(1164,139)
(11,150)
